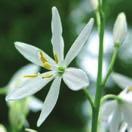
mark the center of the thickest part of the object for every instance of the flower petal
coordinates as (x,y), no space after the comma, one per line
(35,104)
(50,101)
(57,39)
(31,53)
(127,113)
(121,80)
(115,120)
(75,79)
(29,88)
(17,80)
(79,42)
(107,110)
(123,127)
(126,95)
(130,129)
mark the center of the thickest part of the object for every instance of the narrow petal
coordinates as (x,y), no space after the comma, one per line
(127,113)
(123,127)
(115,120)
(17,80)
(30,130)
(50,101)
(79,42)
(57,39)
(107,110)
(32,53)
(130,129)
(121,80)
(126,95)
(29,88)
(75,79)
(35,104)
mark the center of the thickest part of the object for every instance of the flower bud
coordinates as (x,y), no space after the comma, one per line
(120,29)
(94,4)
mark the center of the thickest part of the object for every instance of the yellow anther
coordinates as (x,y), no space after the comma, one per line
(47,66)
(129,89)
(42,57)
(56,58)
(47,75)
(31,76)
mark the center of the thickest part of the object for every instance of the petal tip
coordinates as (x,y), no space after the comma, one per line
(54,8)
(8,98)
(39,123)
(17,43)
(12,97)
(91,21)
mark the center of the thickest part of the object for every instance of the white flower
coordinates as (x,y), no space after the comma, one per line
(18,80)
(120,29)
(121,80)
(116,112)
(74,78)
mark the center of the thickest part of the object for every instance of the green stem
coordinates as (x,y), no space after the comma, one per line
(88,97)
(111,66)
(99,89)
(98,20)
(109,96)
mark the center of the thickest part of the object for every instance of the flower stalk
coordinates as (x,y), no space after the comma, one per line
(88,97)
(99,88)
(111,66)
(110,96)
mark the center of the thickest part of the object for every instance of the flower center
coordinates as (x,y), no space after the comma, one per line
(60,70)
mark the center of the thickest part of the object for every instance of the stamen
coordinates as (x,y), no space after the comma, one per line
(47,75)
(31,76)
(129,89)
(56,58)
(42,57)
(45,62)
(47,66)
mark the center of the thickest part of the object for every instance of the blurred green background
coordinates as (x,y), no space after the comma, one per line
(29,21)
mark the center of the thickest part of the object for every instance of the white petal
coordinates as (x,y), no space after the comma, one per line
(31,53)
(123,127)
(107,110)
(30,130)
(50,101)
(79,42)
(75,79)
(121,80)
(115,120)
(35,104)
(130,129)
(57,39)
(127,113)
(126,95)
(17,80)
(2,128)
(29,88)
(120,29)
